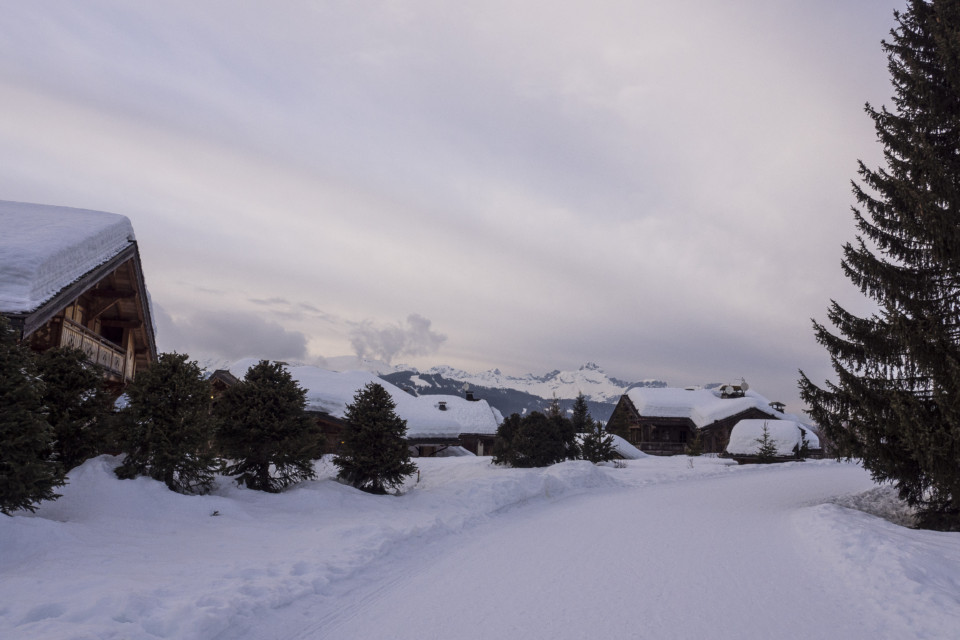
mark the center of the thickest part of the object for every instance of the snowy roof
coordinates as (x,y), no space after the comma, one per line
(45,248)
(332,391)
(785,434)
(626,449)
(702,406)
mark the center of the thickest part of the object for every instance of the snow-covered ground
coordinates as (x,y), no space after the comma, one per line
(664,548)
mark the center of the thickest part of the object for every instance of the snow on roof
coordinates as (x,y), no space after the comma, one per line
(702,406)
(44,248)
(785,434)
(626,449)
(331,392)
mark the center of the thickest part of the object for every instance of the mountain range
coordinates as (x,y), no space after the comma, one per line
(522,394)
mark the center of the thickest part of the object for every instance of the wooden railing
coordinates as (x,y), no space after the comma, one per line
(100,351)
(662,448)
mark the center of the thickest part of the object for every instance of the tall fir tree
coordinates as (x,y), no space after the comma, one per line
(168,426)
(77,406)
(895,403)
(564,429)
(597,445)
(265,431)
(504,452)
(581,415)
(28,474)
(373,454)
(535,440)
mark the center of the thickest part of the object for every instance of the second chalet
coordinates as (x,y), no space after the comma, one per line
(664,421)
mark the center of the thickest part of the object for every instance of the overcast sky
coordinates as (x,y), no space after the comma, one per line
(662,188)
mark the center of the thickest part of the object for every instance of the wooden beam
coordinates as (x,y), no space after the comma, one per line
(124,324)
(97,310)
(111,293)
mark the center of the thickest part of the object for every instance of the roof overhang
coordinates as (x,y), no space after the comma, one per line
(28,322)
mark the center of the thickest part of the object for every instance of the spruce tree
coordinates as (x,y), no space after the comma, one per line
(77,406)
(374,455)
(535,440)
(581,415)
(895,404)
(597,444)
(28,474)
(263,426)
(168,426)
(694,448)
(503,450)
(564,430)
(767,448)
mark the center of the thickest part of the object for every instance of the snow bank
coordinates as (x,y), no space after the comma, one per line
(909,579)
(786,435)
(45,248)
(702,406)
(883,502)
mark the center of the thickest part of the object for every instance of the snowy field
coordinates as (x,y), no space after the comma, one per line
(665,548)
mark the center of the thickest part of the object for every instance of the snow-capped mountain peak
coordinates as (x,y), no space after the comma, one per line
(589,379)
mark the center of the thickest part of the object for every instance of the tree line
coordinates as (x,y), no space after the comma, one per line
(55,413)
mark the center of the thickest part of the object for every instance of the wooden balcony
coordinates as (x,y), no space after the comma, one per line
(662,448)
(101,352)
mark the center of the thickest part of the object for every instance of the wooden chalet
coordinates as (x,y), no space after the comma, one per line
(76,280)
(220,380)
(665,421)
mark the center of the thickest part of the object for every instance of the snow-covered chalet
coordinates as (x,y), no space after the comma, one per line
(664,421)
(73,277)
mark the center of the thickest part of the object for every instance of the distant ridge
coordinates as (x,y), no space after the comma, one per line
(523,394)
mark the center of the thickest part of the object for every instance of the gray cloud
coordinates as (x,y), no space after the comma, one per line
(387,342)
(230,336)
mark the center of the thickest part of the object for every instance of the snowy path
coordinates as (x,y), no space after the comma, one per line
(721,557)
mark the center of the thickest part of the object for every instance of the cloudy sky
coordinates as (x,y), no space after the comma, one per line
(658,187)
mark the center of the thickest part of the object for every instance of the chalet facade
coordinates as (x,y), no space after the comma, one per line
(73,277)
(666,421)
